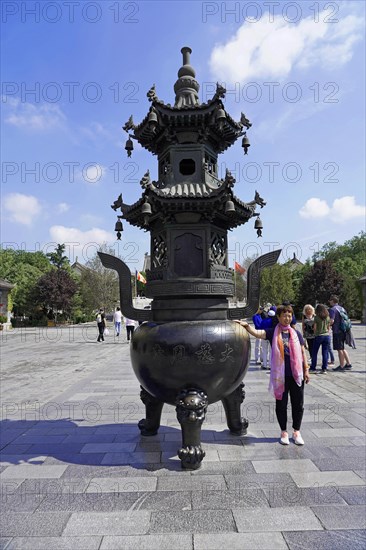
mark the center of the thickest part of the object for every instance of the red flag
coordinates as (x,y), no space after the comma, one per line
(141,278)
(239,268)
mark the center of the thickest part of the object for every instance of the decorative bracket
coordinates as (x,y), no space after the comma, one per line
(253,285)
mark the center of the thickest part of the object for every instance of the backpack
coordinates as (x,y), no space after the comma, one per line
(345,322)
(99,318)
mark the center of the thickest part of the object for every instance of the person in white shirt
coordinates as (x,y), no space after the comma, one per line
(130,327)
(117,318)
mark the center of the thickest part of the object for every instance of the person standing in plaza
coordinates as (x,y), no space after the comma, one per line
(322,338)
(308,327)
(330,350)
(289,370)
(117,318)
(339,336)
(130,327)
(101,325)
(267,322)
(257,320)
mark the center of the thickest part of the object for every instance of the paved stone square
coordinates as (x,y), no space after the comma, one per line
(76,474)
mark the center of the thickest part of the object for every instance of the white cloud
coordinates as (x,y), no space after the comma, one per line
(342,209)
(345,209)
(314,208)
(271,49)
(80,245)
(40,118)
(22,208)
(63,207)
(62,234)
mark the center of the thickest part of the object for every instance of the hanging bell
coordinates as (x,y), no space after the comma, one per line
(258,225)
(220,115)
(146,209)
(152,118)
(229,207)
(129,146)
(245,143)
(118,228)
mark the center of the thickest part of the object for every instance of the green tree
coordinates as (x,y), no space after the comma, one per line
(319,282)
(297,276)
(57,258)
(55,291)
(276,284)
(99,286)
(349,259)
(353,248)
(23,269)
(350,294)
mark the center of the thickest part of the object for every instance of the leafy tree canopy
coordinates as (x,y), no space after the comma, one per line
(55,290)
(353,248)
(22,269)
(349,259)
(57,258)
(276,284)
(319,283)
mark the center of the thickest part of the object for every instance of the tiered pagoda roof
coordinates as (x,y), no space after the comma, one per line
(200,198)
(188,121)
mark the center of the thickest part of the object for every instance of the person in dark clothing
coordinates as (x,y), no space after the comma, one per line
(289,370)
(101,325)
(322,338)
(308,314)
(339,337)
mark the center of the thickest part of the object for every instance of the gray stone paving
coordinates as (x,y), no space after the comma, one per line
(76,474)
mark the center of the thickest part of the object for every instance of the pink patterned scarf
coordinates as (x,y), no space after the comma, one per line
(277,376)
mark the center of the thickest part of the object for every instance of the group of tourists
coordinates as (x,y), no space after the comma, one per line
(288,363)
(118,319)
(317,325)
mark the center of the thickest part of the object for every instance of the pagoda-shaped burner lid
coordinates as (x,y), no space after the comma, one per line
(186,87)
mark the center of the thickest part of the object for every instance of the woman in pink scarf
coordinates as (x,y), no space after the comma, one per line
(289,370)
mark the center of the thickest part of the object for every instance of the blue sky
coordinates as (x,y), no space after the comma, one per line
(73,73)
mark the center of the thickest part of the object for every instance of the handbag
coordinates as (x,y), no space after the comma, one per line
(106,332)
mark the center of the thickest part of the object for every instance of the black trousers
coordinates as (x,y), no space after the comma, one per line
(101,332)
(130,330)
(297,404)
(310,342)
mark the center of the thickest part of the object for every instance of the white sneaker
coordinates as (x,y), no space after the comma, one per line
(298,440)
(284,440)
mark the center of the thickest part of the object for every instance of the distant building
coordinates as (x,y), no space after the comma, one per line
(147,263)
(5,288)
(294,263)
(78,268)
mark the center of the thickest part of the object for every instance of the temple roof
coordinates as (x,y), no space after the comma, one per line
(205,199)
(5,285)
(188,121)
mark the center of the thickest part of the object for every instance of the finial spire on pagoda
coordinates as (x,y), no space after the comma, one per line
(186,87)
